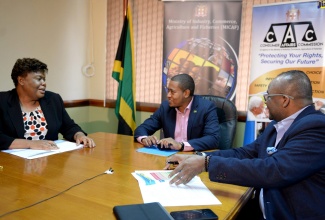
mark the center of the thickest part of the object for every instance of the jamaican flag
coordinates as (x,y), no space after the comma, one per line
(123,73)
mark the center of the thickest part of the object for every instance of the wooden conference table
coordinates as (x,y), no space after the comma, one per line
(24,182)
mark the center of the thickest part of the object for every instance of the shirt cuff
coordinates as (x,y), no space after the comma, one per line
(187,147)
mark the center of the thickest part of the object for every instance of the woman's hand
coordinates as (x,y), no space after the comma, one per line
(42,145)
(81,138)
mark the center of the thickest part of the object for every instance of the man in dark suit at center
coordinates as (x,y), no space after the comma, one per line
(189,122)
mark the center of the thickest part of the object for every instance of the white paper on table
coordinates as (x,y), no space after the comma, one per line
(155,187)
(63,146)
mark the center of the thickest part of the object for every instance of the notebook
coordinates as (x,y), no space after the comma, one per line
(145,211)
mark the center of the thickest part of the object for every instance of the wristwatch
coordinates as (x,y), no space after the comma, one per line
(182,146)
(199,153)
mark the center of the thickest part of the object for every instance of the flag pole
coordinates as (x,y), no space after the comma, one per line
(125,7)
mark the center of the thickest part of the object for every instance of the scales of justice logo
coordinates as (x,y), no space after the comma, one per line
(289,39)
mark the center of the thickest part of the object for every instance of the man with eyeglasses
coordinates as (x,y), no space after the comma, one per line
(287,162)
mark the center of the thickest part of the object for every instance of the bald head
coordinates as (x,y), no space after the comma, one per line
(296,90)
(294,83)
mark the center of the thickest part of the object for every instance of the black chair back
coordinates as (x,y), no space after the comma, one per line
(227,115)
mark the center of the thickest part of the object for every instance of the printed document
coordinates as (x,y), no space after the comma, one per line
(155,187)
(63,146)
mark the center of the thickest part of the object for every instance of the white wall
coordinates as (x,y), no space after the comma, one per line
(57,33)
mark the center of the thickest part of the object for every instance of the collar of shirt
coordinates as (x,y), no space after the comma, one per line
(181,123)
(282,126)
(187,109)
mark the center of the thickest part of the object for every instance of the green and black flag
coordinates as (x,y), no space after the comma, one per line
(123,72)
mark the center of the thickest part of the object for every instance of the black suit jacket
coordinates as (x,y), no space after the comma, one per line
(12,125)
(202,128)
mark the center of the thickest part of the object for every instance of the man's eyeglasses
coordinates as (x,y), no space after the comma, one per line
(267,96)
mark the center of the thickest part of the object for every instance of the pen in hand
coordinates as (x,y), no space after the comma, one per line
(173,162)
(170,165)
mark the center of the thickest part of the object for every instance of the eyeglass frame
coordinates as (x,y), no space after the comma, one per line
(266,96)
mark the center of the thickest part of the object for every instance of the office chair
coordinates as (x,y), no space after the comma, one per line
(227,116)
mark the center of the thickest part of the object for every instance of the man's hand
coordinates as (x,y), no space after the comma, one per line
(150,140)
(170,143)
(189,166)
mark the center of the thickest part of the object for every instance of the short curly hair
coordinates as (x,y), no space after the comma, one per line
(26,65)
(185,82)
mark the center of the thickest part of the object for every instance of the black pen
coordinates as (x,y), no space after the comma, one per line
(173,162)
